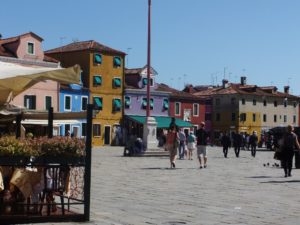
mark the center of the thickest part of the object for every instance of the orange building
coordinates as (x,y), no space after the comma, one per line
(103,74)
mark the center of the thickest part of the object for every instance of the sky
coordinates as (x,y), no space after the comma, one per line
(197,42)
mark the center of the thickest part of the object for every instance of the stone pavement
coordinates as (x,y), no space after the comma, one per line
(143,190)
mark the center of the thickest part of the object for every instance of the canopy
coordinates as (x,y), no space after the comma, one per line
(162,121)
(15,78)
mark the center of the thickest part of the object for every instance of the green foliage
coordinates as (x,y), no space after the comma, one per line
(43,146)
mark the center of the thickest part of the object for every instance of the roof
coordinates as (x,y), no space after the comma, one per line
(16,38)
(84,45)
(233,88)
(133,71)
(175,93)
(162,121)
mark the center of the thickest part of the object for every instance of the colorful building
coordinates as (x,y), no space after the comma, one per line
(246,108)
(103,75)
(135,103)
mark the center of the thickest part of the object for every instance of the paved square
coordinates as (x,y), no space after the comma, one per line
(143,190)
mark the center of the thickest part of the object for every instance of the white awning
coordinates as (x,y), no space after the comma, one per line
(45,122)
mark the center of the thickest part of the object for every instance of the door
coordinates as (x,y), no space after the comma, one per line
(107,135)
(75,132)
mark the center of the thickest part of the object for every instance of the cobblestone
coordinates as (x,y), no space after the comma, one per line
(144,190)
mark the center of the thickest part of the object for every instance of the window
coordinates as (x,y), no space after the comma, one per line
(67,129)
(48,102)
(218,102)
(243,101)
(97,58)
(265,117)
(285,118)
(295,104)
(98,104)
(254,101)
(97,80)
(294,119)
(68,102)
(265,102)
(145,81)
(117,61)
(30,101)
(96,130)
(233,116)
(117,105)
(117,82)
(285,102)
(144,103)
(177,108)
(207,116)
(30,48)
(84,102)
(253,117)
(218,117)
(275,103)
(166,104)
(232,101)
(83,129)
(275,118)
(195,109)
(127,102)
(243,117)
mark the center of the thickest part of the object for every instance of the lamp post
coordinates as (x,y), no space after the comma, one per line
(149,128)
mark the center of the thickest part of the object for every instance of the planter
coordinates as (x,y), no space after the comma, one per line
(61,160)
(14,160)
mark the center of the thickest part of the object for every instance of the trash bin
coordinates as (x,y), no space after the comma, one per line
(297,159)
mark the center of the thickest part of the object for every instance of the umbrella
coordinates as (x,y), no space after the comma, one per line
(15,78)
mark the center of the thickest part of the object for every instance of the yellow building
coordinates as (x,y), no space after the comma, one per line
(243,108)
(103,73)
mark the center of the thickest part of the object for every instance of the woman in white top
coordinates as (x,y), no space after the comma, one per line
(191,145)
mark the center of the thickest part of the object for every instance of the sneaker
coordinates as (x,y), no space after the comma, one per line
(285,175)
(173,165)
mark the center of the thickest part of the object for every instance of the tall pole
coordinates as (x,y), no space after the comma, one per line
(148,58)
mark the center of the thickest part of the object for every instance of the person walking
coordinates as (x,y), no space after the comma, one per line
(191,145)
(172,144)
(290,142)
(226,143)
(253,143)
(202,136)
(181,148)
(237,143)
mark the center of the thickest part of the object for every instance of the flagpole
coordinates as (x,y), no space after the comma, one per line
(148,58)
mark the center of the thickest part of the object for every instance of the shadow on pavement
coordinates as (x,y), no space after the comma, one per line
(160,168)
(280,181)
(260,177)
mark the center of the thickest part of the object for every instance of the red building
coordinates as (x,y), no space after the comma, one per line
(185,106)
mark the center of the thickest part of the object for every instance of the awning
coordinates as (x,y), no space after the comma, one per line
(162,121)
(45,122)
(15,78)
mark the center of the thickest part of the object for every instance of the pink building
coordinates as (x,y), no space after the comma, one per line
(26,50)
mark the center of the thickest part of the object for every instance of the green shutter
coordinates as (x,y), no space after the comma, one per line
(151,103)
(97,80)
(117,103)
(127,101)
(145,81)
(144,103)
(166,104)
(117,61)
(98,102)
(98,59)
(117,82)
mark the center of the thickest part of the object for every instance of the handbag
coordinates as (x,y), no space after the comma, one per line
(278,155)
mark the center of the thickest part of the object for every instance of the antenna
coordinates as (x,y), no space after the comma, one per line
(127,59)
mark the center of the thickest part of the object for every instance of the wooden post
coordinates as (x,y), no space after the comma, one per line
(18,125)
(50,122)
(88,162)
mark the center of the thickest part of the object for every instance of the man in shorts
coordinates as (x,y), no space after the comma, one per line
(202,136)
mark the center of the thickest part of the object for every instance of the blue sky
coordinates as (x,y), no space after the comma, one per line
(193,41)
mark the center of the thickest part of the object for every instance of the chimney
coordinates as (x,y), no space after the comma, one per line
(225,83)
(286,89)
(243,80)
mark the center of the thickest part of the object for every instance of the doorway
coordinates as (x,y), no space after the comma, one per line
(107,135)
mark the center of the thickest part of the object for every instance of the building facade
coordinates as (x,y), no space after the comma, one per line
(103,75)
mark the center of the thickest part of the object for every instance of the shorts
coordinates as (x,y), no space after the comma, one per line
(201,150)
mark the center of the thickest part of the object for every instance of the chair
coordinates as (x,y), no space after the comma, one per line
(55,184)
